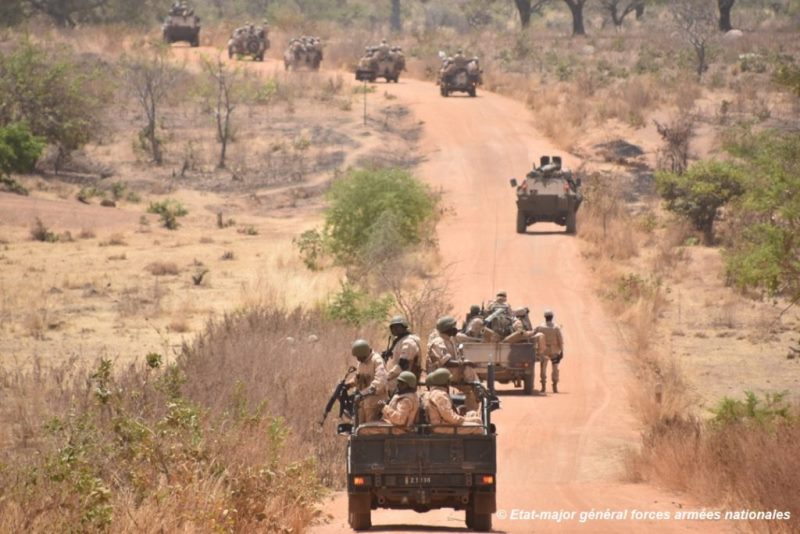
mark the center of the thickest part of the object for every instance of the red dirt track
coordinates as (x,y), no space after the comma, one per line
(559,452)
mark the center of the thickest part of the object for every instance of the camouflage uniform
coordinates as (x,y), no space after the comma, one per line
(500,301)
(554,345)
(370,381)
(439,408)
(408,348)
(475,332)
(442,352)
(402,410)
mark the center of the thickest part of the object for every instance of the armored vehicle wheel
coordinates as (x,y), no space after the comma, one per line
(195,42)
(521,222)
(442,90)
(445,91)
(572,223)
(527,384)
(472,92)
(364,521)
(481,522)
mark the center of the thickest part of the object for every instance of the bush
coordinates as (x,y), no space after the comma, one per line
(39,232)
(701,192)
(366,196)
(356,307)
(169,210)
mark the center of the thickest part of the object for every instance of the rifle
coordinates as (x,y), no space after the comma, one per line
(389,352)
(340,394)
(557,359)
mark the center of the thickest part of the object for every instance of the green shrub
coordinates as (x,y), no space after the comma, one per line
(39,232)
(169,210)
(767,412)
(354,306)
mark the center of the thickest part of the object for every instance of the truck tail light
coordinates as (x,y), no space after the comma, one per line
(361,481)
(485,480)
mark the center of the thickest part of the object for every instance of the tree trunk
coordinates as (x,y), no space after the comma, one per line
(701,59)
(576,6)
(395,21)
(725,7)
(639,11)
(524,8)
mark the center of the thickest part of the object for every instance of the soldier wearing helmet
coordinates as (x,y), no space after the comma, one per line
(404,352)
(369,381)
(442,352)
(500,301)
(403,408)
(438,405)
(553,349)
(475,332)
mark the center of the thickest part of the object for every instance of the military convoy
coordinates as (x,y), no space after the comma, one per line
(459,74)
(249,40)
(303,53)
(381,61)
(181,25)
(425,468)
(548,193)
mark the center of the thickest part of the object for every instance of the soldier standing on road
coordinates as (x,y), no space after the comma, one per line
(370,381)
(404,353)
(442,352)
(438,405)
(554,349)
(403,408)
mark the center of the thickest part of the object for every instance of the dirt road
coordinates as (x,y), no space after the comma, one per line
(556,452)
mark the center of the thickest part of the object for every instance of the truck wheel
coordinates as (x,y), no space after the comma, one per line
(472,92)
(481,522)
(527,384)
(363,521)
(470,520)
(572,223)
(522,224)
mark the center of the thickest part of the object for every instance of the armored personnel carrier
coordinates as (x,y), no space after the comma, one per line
(181,25)
(548,193)
(303,53)
(460,75)
(381,62)
(249,41)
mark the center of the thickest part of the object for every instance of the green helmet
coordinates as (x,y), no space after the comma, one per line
(474,309)
(361,349)
(408,378)
(440,377)
(398,319)
(445,323)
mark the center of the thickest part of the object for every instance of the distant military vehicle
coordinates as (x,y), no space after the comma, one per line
(423,468)
(249,41)
(181,25)
(548,194)
(381,61)
(460,74)
(303,53)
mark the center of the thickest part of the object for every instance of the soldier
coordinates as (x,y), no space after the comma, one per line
(370,381)
(383,49)
(459,60)
(403,408)
(500,301)
(438,405)
(554,349)
(404,352)
(442,352)
(475,332)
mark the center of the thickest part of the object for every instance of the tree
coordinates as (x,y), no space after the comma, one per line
(527,8)
(619,9)
(65,13)
(19,150)
(696,21)
(725,7)
(699,193)
(226,93)
(51,93)
(151,77)
(576,7)
(395,21)
(765,253)
(371,201)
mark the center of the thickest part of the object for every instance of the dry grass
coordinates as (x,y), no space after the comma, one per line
(163,268)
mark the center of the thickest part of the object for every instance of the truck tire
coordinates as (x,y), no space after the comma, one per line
(572,223)
(364,521)
(521,222)
(472,92)
(481,522)
(527,384)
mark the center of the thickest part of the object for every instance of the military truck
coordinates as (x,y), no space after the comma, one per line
(181,25)
(548,193)
(512,356)
(381,62)
(428,467)
(248,41)
(464,77)
(303,52)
